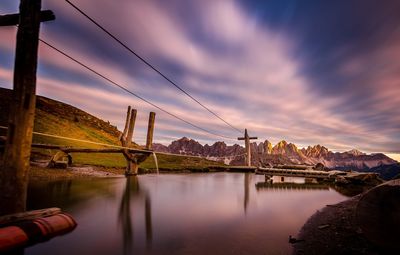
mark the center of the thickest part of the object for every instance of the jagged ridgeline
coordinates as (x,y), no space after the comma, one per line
(57,118)
(282,153)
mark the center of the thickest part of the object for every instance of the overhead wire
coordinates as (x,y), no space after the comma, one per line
(131,92)
(151,66)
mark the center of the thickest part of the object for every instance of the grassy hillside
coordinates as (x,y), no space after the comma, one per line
(53,117)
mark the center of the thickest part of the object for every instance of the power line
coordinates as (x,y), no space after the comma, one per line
(132,93)
(150,65)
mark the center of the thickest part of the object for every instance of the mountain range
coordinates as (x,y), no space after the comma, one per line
(58,118)
(283,152)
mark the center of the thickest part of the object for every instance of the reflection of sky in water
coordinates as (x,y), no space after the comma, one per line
(178,214)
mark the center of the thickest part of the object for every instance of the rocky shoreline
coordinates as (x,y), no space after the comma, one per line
(336,229)
(39,172)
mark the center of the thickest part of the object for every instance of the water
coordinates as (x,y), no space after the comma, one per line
(155,161)
(218,213)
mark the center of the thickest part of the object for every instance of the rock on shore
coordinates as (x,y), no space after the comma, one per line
(365,224)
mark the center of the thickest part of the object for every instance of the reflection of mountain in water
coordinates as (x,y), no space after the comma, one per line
(133,192)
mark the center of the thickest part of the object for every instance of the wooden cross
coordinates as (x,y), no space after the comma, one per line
(247,139)
(15,165)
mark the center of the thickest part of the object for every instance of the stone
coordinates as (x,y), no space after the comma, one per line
(323,226)
(378,215)
(319,166)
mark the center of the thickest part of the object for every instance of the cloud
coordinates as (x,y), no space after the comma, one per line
(243,68)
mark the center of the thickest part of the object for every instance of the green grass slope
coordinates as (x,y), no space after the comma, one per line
(57,118)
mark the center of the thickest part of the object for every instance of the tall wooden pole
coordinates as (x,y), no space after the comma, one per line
(247,146)
(150,131)
(131,127)
(14,170)
(247,139)
(126,141)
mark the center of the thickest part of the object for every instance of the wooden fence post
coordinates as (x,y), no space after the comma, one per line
(150,131)
(15,167)
(126,140)
(134,159)
(131,127)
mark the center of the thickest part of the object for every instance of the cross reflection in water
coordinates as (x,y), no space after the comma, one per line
(247,179)
(132,192)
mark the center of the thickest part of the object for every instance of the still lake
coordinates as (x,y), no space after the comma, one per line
(211,213)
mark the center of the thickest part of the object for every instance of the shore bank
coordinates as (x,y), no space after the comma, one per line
(364,224)
(39,171)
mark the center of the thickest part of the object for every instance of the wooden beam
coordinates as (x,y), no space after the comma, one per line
(13,19)
(150,131)
(14,173)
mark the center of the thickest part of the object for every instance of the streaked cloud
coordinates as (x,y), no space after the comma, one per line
(267,73)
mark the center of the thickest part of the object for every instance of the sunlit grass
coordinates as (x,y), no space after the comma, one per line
(51,124)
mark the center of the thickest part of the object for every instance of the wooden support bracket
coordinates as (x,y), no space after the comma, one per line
(133,159)
(132,166)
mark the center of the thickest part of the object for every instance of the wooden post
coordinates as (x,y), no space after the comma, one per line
(247,139)
(133,159)
(150,131)
(247,146)
(122,137)
(126,140)
(131,127)
(15,165)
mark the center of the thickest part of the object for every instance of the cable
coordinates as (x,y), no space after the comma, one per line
(132,93)
(150,65)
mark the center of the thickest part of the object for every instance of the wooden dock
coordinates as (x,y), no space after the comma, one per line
(247,169)
(292,173)
(290,186)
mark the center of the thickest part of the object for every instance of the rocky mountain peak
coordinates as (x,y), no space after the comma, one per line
(355,152)
(315,151)
(184,139)
(267,147)
(279,148)
(186,146)
(282,153)
(281,144)
(292,147)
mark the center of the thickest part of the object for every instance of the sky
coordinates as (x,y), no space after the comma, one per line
(308,72)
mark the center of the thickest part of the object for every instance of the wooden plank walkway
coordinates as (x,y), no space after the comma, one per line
(249,169)
(290,186)
(292,173)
